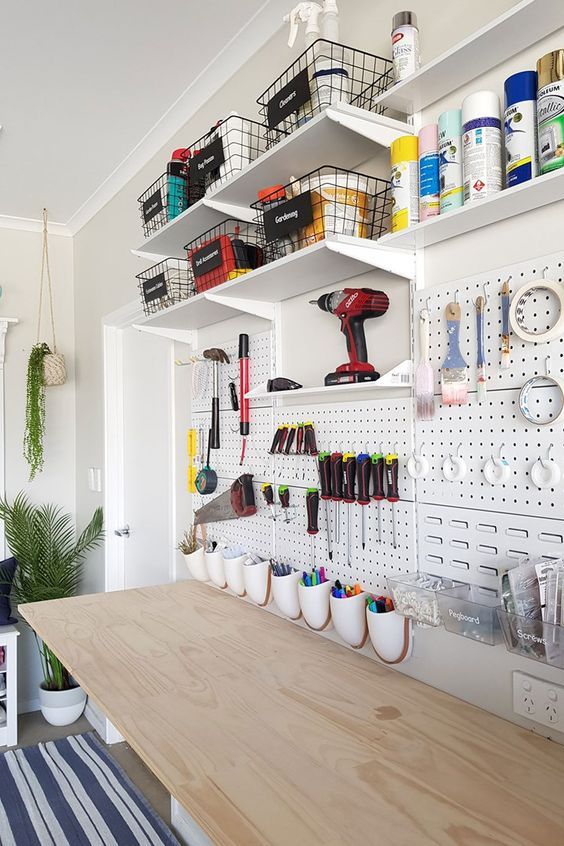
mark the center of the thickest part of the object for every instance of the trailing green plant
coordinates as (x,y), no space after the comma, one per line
(50,559)
(35,410)
(189,543)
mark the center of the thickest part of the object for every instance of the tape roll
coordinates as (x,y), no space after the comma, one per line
(525,396)
(517,312)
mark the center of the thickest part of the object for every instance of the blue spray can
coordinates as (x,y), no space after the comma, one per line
(521,162)
(450,160)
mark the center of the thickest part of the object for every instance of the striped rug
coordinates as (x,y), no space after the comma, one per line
(72,793)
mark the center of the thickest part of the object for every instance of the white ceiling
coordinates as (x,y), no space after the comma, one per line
(82,84)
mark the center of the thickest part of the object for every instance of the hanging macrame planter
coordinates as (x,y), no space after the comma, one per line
(46,368)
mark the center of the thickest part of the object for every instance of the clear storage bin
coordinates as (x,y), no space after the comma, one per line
(415,596)
(471,611)
(533,638)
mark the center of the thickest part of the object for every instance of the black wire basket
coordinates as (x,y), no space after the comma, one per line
(228,251)
(326,73)
(214,158)
(165,284)
(327,201)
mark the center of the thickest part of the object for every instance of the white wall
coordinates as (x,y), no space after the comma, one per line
(104,280)
(20,263)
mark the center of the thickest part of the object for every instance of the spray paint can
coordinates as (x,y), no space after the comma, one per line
(550,111)
(520,122)
(481,146)
(405,45)
(428,171)
(405,182)
(450,160)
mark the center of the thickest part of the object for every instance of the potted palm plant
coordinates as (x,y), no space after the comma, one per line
(49,558)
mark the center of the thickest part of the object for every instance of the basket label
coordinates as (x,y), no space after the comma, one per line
(155,288)
(210,158)
(153,206)
(287,217)
(289,99)
(207,258)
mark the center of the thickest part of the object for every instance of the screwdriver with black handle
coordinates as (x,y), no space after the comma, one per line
(378,492)
(324,469)
(349,471)
(268,495)
(392,493)
(284,497)
(363,474)
(312,507)
(337,490)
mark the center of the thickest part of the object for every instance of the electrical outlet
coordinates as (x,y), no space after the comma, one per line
(538,700)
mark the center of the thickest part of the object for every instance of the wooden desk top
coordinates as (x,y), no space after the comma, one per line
(269,734)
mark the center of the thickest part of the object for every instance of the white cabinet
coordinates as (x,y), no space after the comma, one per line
(8,685)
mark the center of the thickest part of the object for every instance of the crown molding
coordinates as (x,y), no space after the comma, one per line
(265,23)
(29,224)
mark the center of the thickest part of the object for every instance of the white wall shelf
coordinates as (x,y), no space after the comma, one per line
(398,377)
(342,136)
(520,27)
(512,201)
(329,262)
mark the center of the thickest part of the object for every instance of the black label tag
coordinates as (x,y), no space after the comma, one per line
(289,99)
(155,288)
(152,206)
(207,258)
(287,217)
(210,158)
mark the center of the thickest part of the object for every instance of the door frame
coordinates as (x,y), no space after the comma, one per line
(113,326)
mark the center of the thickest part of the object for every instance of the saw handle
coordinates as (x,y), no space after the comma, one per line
(243,496)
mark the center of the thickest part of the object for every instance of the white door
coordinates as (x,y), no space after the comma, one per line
(139,458)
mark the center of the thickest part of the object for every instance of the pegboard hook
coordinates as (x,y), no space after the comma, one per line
(544,271)
(499,458)
(486,297)
(456,296)
(545,461)
(547,366)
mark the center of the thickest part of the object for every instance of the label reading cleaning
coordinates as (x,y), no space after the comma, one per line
(208,159)
(155,288)
(207,258)
(289,99)
(287,217)
(152,206)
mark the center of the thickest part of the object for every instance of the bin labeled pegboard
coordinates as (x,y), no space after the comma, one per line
(327,201)
(165,284)
(326,73)
(227,251)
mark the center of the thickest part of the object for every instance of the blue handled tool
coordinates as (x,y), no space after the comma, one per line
(505,347)
(454,373)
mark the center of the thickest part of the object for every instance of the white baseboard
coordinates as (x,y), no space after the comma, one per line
(28,705)
(101,724)
(185,827)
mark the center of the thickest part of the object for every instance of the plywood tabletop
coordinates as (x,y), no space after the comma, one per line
(268,734)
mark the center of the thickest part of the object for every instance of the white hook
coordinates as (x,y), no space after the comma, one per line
(545,461)
(547,365)
(456,296)
(544,272)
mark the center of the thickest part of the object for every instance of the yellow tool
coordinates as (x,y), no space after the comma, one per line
(192,449)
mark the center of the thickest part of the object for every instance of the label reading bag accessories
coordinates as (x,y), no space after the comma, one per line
(207,258)
(289,99)
(209,158)
(287,217)
(152,206)
(155,288)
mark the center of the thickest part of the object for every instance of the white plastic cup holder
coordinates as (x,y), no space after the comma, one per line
(390,635)
(497,471)
(196,564)
(349,618)
(285,594)
(545,473)
(234,573)
(417,466)
(314,602)
(257,581)
(216,567)
(454,469)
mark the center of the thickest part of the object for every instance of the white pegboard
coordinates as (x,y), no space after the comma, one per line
(369,566)
(260,370)
(527,359)
(481,429)
(473,546)
(354,425)
(225,461)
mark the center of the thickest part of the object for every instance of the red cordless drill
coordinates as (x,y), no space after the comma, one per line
(353,306)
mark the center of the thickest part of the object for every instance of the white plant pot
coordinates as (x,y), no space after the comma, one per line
(257,581)
(234,574)
(196,564)
(314,602)
(62,707)
(216,567)
(349,618)
(285,594)
(390,635)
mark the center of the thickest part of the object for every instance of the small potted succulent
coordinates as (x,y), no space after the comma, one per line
(193,553)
